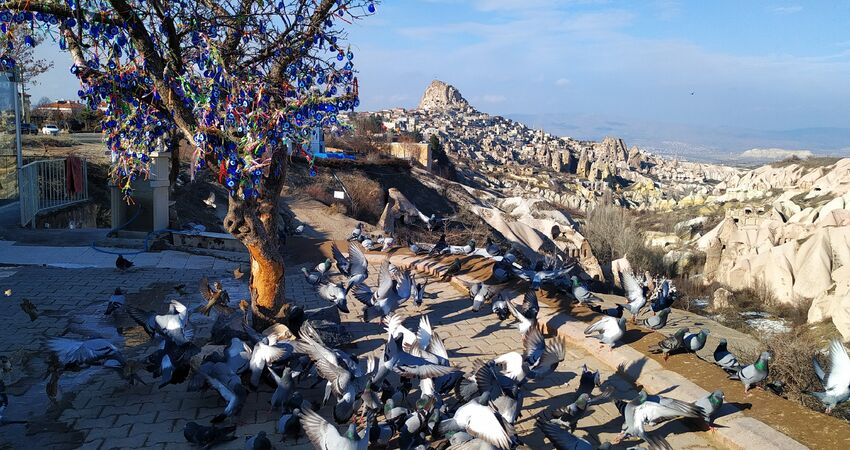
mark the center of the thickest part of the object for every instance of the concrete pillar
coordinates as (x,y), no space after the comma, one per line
(160,166)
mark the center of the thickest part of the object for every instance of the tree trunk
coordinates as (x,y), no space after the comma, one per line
(255,223)
(174,147)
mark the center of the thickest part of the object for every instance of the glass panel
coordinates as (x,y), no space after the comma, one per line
(8,139)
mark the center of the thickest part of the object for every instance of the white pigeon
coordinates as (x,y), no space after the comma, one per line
(837,385)
(210,201)
(608,330)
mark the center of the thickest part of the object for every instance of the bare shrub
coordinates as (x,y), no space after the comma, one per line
(337,208)
(318,192)
(612,235)
(366,196)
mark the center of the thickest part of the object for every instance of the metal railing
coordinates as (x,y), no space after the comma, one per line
(44,185)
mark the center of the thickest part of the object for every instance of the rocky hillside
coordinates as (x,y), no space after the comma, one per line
(440,96)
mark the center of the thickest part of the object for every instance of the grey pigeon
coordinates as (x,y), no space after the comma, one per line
(654,409)
(724,358)
(73,353)
(312,278)
(500,308)
(228,385)
(581,293)
(837,385)
(116,301)
(754,373)
(562,439)
(439,246)
(207,437)
(284,388)
(325,435)
(258,442)
(589,380)
(342,263)
(480,293)
(335,293)
(357,232)
(694,342)
(358,269)
(710,405)
(418,293)
(481,421)
(658,321)
(571,413)
(608,330)
(634,292)
(616,311)
(671,344)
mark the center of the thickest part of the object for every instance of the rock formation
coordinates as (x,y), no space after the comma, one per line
(442,96)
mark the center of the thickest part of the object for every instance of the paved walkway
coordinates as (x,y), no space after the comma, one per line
(97,410)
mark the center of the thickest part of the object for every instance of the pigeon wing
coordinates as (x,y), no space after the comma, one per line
(632,286)
(839,366)
(562,439)
(204,287)
(321,433)
(357,259)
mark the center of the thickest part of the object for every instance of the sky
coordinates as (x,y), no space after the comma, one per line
(613,65)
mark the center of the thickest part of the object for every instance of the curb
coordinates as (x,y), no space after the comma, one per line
(736,430)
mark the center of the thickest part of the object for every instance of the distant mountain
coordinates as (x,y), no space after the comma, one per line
(693,142)
(440,96)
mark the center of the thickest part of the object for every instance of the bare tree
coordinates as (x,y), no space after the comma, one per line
(237,78)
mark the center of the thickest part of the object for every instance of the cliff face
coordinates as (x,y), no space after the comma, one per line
(442,96)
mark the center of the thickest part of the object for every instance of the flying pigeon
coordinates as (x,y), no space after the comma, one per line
(358,268)
(325,435)
(29,307)
(335,293)
(342,263)
(754,373)
(562,439)
(116,301)
(122,263)
(837,385)
(710,405)
(664,299)
(299,229)
(208,436)
(210,201)
(654,409)
(589,380)
(481,421)
(500,308)
(634,292)
(608,330)
(312,278)
(725,359)
(480,293)
(572,413)
(658,321)
(173,324)
(671,344)
(229,387)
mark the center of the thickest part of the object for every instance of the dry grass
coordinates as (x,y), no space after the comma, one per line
(612,234)
(808,163)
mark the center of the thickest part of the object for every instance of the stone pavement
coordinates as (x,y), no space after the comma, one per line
(96,409)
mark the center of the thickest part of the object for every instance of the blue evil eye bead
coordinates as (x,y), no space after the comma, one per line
(70,22)
(29,41)
(371,8)
(312,171)
(350,56)
(340,56)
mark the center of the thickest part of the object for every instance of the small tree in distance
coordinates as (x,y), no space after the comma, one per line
(240,79)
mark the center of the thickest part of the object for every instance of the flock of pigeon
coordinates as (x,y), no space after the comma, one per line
(410,396)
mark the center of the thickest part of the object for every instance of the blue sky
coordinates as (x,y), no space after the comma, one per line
(766,65)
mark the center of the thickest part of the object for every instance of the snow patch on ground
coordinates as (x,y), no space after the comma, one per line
(765,323)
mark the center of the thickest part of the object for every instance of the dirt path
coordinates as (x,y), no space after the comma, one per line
(319,222)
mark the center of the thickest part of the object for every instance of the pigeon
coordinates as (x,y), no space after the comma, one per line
(754,373)
(562,439)
(418,292)
(334,293)
(710,405)
(208,437)
(615,312)
(837,385)
(725,359)
(492,248)
(572,413)
(342,263)
(664,299)
(500,308)
(608,330)
(530,306)
(228,385)
(289,423)
(694,342)
(324,267)
(367,243)
(658,321)
(439,246)
(210,201)
(481,421)
(173,324)
(453,269)
(299,229)
(581,293)
(324,435)
(524,323)
(285,386)
(122,263)
(258,442)
(356,232)
(358,269)
(29,307)
(589,380)
(480,293)
(116,301)
(73,353)
(503,269)
(654,409)
(215,296)
(7,292)
(415,248)
(538,359)
(171,363)
(267,351)
(392,291)
(312,278)
(388,243)
(238,273)
(634,292)
(671,344)
(459,249)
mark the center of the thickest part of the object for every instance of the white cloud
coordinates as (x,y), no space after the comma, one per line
(562,82)
(787,9)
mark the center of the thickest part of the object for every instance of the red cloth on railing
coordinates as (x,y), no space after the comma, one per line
(74,175)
